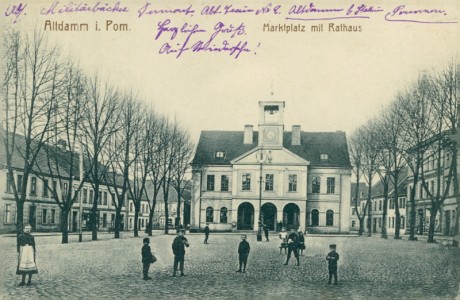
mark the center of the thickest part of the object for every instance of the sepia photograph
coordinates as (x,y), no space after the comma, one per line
(229,149)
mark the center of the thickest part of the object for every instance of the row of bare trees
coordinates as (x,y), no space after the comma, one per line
(69,129)
(416,131)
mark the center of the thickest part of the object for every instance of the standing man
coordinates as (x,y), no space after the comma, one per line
(293,246)
(206,233)
(332,258)
(266,232)
(243,253)
(178,247)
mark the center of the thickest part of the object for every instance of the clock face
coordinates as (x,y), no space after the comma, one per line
(270,135)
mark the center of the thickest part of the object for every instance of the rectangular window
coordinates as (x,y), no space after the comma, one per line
(269,182)
(65,190)
(53,216)
(8,214)
(91,196)
(104,220)
(44,216)
(54,187)
(324,156)
(380,222)
(99,198)
(85,195)
(316,185)
(33,186)
(210,183)
(292,183)
(353,223)
(19,187)
(113,199)
(220,154)
(380,205)
(105,198)
(224,183)
(9,183)
(246,182)
(331,185)
(45,187)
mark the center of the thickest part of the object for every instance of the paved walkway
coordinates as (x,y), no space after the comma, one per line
(369,268)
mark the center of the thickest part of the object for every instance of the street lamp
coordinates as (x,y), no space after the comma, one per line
(262,156)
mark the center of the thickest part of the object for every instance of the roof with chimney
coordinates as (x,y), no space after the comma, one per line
(312,145)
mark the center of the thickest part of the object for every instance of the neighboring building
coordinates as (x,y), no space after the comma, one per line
(40,209)
(301,179)
(446,216)
(377,205)
(159,211)
(356,204)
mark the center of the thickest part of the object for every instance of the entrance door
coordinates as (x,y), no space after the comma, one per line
(269,215)
(245,216)
(291,216)
(32,217)
(420,221)
(447,226)
(75,221)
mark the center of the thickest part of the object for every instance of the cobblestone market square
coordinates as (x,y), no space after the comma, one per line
(369,268)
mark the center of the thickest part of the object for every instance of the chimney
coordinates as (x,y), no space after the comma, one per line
(295,135)
(248,134)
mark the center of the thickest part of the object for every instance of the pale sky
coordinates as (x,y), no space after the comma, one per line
(329,80)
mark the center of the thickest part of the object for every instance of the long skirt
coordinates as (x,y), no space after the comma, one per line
(26,262)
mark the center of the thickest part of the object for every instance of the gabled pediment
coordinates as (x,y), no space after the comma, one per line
(275,156)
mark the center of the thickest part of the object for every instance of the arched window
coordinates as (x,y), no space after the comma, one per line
(314,217)
(209,214)
(329,218)
(223,215)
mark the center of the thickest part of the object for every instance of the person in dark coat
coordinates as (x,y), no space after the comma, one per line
(266,232)
(301,242)
(332,258)
(26,260)
(293,246)
(243,253)
(147,258)
(178,247)
(206,233)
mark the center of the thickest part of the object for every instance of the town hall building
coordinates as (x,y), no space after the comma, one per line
(295,179)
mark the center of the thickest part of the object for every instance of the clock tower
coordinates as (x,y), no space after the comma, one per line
(271,124)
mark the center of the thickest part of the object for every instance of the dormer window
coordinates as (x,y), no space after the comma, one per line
(324,157)
(220,154)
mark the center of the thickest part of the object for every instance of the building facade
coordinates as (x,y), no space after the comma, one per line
(271,176)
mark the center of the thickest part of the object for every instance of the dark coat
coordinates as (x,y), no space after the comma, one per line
(146,254)
(179,244)
(206,230)
(244,248)
(332,258)
(301,242)
(293,240)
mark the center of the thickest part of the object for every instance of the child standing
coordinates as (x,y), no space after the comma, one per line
(147,258)
(243,253)
(26,249)
(332,259)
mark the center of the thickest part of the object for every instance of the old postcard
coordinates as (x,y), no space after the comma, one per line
(229,149)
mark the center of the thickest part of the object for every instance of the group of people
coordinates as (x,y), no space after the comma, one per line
(293,242)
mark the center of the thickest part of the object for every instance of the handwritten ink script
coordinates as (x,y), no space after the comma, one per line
(201,30)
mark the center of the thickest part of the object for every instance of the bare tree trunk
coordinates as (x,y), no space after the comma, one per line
(136,219)
(94,217)
(117,222)
(434,211)
(413,214)
(369,208)
(361,225)
(385,210)
(65,224)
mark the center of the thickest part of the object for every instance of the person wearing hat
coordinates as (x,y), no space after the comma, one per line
(206,233)
(293,246)
(332,258)
(301,242)
(147,258)
(178,247)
